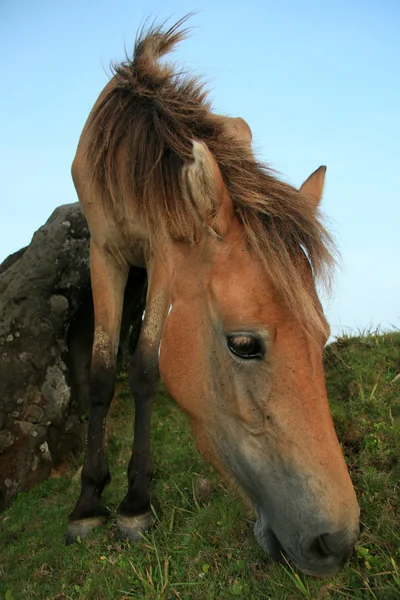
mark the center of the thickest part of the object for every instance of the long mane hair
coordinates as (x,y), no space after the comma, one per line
(141,136)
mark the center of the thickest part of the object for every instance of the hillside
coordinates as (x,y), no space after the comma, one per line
(203,548)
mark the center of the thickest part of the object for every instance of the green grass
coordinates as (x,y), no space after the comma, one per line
(202,546)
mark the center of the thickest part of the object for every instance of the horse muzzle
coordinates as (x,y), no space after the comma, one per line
(318,554)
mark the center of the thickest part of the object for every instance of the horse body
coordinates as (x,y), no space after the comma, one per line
(232,322)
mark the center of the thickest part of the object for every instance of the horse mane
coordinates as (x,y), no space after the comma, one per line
(141,136)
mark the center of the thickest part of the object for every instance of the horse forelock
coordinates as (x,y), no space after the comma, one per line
(141,138)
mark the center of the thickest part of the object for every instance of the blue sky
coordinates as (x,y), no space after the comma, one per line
(318,82)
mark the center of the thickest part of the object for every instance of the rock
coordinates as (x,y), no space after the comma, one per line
(46,333)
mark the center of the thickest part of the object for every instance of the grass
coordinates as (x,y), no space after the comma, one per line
(202,547)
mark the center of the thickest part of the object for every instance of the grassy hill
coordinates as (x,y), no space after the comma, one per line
(202,547)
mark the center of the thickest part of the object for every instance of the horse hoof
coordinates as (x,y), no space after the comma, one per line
(80,529)
(130,528)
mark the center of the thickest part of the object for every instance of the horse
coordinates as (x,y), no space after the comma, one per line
(232,324)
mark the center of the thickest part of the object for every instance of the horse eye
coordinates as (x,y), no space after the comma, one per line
(245,346)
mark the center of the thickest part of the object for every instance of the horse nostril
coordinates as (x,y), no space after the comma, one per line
(332,543)
(338,544)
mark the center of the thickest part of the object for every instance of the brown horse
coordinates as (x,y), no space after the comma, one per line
(232,324)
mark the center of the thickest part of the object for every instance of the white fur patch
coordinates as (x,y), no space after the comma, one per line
(200,177)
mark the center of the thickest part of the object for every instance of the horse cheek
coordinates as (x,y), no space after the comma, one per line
(181,361)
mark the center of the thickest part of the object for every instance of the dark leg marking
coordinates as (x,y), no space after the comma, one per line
(134,513)
(89,511)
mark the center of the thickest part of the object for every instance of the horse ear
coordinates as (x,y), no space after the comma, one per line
(205,187)
(314,185)
(239,129)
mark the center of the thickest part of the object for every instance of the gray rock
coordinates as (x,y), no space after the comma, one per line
(46,332)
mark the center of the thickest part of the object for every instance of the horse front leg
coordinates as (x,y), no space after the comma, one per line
(134,514)
(108,278)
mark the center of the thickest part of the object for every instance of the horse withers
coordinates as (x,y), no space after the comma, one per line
(233,324)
